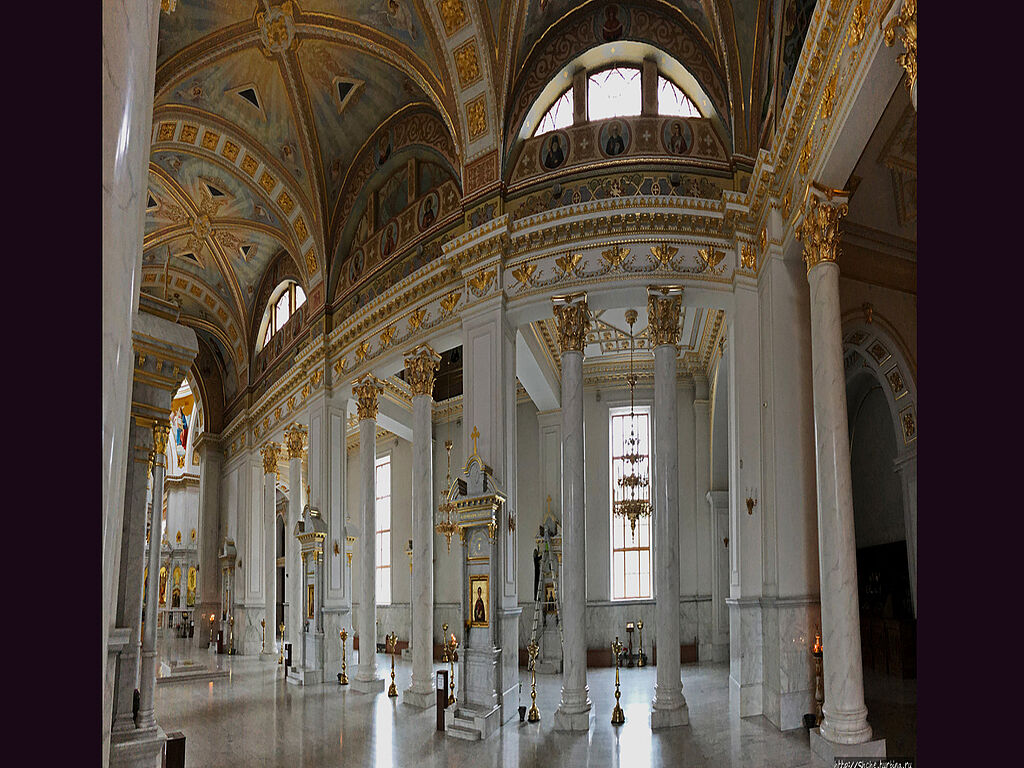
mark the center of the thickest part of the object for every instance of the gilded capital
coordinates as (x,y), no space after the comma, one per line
(664,304)
(819,230)
(366,391)
(294,440)
(269,452)
(420,365)
(160,432)
(573,318)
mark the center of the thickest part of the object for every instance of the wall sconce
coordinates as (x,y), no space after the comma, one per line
(726,542)
(751,502)
(337,550)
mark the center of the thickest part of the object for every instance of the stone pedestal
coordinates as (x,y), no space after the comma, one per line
(138,749)
(828,751)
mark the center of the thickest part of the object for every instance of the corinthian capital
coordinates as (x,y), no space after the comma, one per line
(269,452)
(160,431)
(664,304)
(573,318)
(294,439)
(819,230)
(366,391)
(420,365)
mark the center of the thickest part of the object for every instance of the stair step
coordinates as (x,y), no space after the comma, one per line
(460,732)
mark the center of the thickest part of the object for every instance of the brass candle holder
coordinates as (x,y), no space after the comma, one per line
(453,656)
(444,636)
(819,687)
(618,718)
(231,635)
(280,658)
(263,635)
(392,640)
(532,649)
(640,661)
(343,678)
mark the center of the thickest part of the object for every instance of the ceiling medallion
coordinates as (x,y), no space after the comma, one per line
(635,502)
(277,28)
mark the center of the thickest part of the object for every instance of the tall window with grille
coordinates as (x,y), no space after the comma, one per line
(382,508)
(630,552)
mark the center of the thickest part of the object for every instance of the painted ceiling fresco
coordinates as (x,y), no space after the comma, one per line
(295,96)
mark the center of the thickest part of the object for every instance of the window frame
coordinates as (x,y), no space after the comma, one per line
(296,298)
(378,549)
(643,525)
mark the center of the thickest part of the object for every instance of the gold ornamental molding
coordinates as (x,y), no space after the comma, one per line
(819,230)
(664,304)
(906,20)
(270,452)
(160,432)
(294,440)
(367,389)
(573,318)
(420,365)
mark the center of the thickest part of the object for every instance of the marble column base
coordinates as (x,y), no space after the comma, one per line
(138,749)
(828,751)
(670,710)
(301,676)
(418,698)
(374,685)
(669,718)
(572,721)
(269,656)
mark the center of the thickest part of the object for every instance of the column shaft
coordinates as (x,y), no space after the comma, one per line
(270,558)
(845,716)
(367,617)
(147,674)
(129,599)
(295,577)
(669,705)
(573,711)
(423,554)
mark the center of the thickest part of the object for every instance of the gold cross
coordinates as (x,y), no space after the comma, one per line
(474,434)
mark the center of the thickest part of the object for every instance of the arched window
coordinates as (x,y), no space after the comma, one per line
(672,100)
(617,91)
(559,116)
(613,92)
(285,299)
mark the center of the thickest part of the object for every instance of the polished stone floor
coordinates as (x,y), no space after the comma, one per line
(253,718)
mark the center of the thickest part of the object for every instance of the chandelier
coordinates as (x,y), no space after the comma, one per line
(634,503)
(447,527)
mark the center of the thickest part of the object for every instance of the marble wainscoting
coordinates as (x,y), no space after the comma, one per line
(397,617)
(788,625)
(606,619)
(746,676)
(248,641)
(334,620)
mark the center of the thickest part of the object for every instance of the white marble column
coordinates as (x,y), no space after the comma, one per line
(844,714)
(663,308)
(212,459)
(906,468)
(367,389)
(129,68)
(129,593)
(269,453)
(294,442)
(419,372)
(573,713)
(147,674)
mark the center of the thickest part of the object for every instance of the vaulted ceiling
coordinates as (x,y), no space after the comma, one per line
(264,115)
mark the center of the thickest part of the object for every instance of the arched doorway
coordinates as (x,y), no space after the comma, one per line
(882,412)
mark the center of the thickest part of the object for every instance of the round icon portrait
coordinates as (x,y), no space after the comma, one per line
(428,210)
(613,138)
(553,150)
(678,137)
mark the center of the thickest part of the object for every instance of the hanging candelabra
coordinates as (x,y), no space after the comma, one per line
(447,527)
(635,503)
